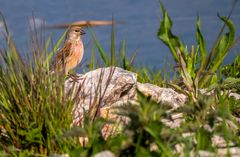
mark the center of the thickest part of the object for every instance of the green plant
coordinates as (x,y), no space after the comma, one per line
(198,67)
(113,60)
(34,109)
(158,78)
(146,130)
(36,113)
(232,70)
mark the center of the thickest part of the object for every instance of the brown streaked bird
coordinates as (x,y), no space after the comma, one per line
(71,54)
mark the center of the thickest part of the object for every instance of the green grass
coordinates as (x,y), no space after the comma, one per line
(35,113)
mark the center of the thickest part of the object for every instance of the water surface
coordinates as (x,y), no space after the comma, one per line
(141,22)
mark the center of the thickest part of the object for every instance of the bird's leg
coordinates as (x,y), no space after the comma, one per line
(74,77)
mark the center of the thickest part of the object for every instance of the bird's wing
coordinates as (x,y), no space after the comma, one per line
(61,56)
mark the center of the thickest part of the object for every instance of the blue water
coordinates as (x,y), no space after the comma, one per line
(141,23)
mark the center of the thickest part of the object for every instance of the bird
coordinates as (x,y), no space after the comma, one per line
(71,54)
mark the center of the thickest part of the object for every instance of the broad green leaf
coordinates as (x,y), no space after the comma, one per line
(167,37)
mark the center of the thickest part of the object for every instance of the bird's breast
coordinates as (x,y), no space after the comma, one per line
(78,52)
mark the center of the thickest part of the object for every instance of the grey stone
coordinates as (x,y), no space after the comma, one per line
(162,95)
(105,153)
(220,142)
(235,95)
(103,87)
(233,151)
(113,86)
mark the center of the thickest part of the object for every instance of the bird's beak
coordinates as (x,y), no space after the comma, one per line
(82,32)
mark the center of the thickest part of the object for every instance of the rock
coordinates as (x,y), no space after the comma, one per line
(162,95)
(102,87)
(232,151)
(105,153)
(220,142)
(235,95)
(203,153)
(113,86)
(165,96)
(105,88)
(173,123)
(112,128)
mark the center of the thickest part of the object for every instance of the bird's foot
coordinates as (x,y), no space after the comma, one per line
(75,77)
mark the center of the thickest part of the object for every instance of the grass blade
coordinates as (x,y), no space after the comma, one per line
(201,42)
(113,44)
(100,49)
(52,53)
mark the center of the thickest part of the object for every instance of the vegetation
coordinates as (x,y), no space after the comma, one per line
(35,112)
(232,70)
(197,68)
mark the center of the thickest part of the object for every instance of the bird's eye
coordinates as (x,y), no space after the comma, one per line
(77,30)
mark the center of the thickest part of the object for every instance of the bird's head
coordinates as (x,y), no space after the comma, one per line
(75,33)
